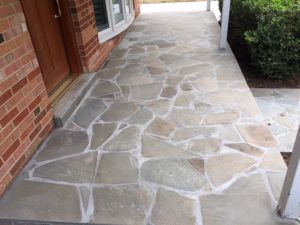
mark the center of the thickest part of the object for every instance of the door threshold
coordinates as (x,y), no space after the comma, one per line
(67,103)
(56,94)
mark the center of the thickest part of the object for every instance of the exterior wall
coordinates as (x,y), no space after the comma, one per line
(25,112)
(92,53)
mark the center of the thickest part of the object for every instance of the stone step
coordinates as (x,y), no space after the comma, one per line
(64,108)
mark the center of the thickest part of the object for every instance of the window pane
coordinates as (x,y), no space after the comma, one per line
(127,6)
(101,14)
(118,10)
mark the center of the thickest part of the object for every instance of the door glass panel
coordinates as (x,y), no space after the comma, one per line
(118,11)
(101,15)
(127,6)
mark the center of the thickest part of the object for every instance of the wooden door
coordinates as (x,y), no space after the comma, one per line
(48,41)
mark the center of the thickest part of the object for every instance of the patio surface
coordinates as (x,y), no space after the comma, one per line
(170,134)
(280,108)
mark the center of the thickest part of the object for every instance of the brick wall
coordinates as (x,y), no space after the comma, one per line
(92,53)
(25,112)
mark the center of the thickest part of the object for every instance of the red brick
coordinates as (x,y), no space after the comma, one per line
(5,96)
(34,103)
(18,166)
(9,116)
(11,150)
(34,73)
(6,11)
(21,83)
(14,67)
(4,25)
(35,132)
(20,117)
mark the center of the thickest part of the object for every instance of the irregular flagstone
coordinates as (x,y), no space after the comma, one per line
(156,70)
(161,127)
(186,87)
(184,99)
(160,43)
(249,106)
(117,168)
(228,74)
(108,74)
(159,107)
(286,120)
(186,133)
(146,91)
(194,69)
(247,149)
(175,173)
(253,184)
(221,118)
(205,146)
(224,97)
(114,63)
(202,107)
(26,201)
(104,89)
(185,117)
(133,79)
(169,92)
(171,208)
(276,180)
(273,161)
(230,211)
(198,164)
(222,168)
(152,147)
(257,135)
(126,140)
(206,84)
(174,80)
(119,111)
(228,132)
(62,143)
(133,69)
(88,111)
(76,169)
(123,205)
(101,132)
(140,117)
(85,196)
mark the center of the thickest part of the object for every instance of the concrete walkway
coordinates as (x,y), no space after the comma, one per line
(170,134)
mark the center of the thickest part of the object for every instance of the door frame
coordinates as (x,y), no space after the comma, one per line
(69,37)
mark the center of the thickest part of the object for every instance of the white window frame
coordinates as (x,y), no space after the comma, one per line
(115,29)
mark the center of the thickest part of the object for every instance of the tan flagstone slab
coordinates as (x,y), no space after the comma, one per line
(126,140)
(171,208)
(117,168)
(41,201)
(161,127)
(123,205)
(222,168)
(175,173)
(152,147)
(257,135)
(76,169)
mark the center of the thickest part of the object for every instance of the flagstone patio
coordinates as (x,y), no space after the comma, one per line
(280,108)
(169,134)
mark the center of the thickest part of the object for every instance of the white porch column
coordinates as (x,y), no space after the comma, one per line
(289,201)
(224,25)
(208,3)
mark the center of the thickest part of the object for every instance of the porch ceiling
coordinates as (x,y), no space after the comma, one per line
(169,134)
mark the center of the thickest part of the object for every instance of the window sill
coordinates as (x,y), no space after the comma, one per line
(107,34)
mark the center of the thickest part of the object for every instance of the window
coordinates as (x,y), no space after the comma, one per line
(112,17)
